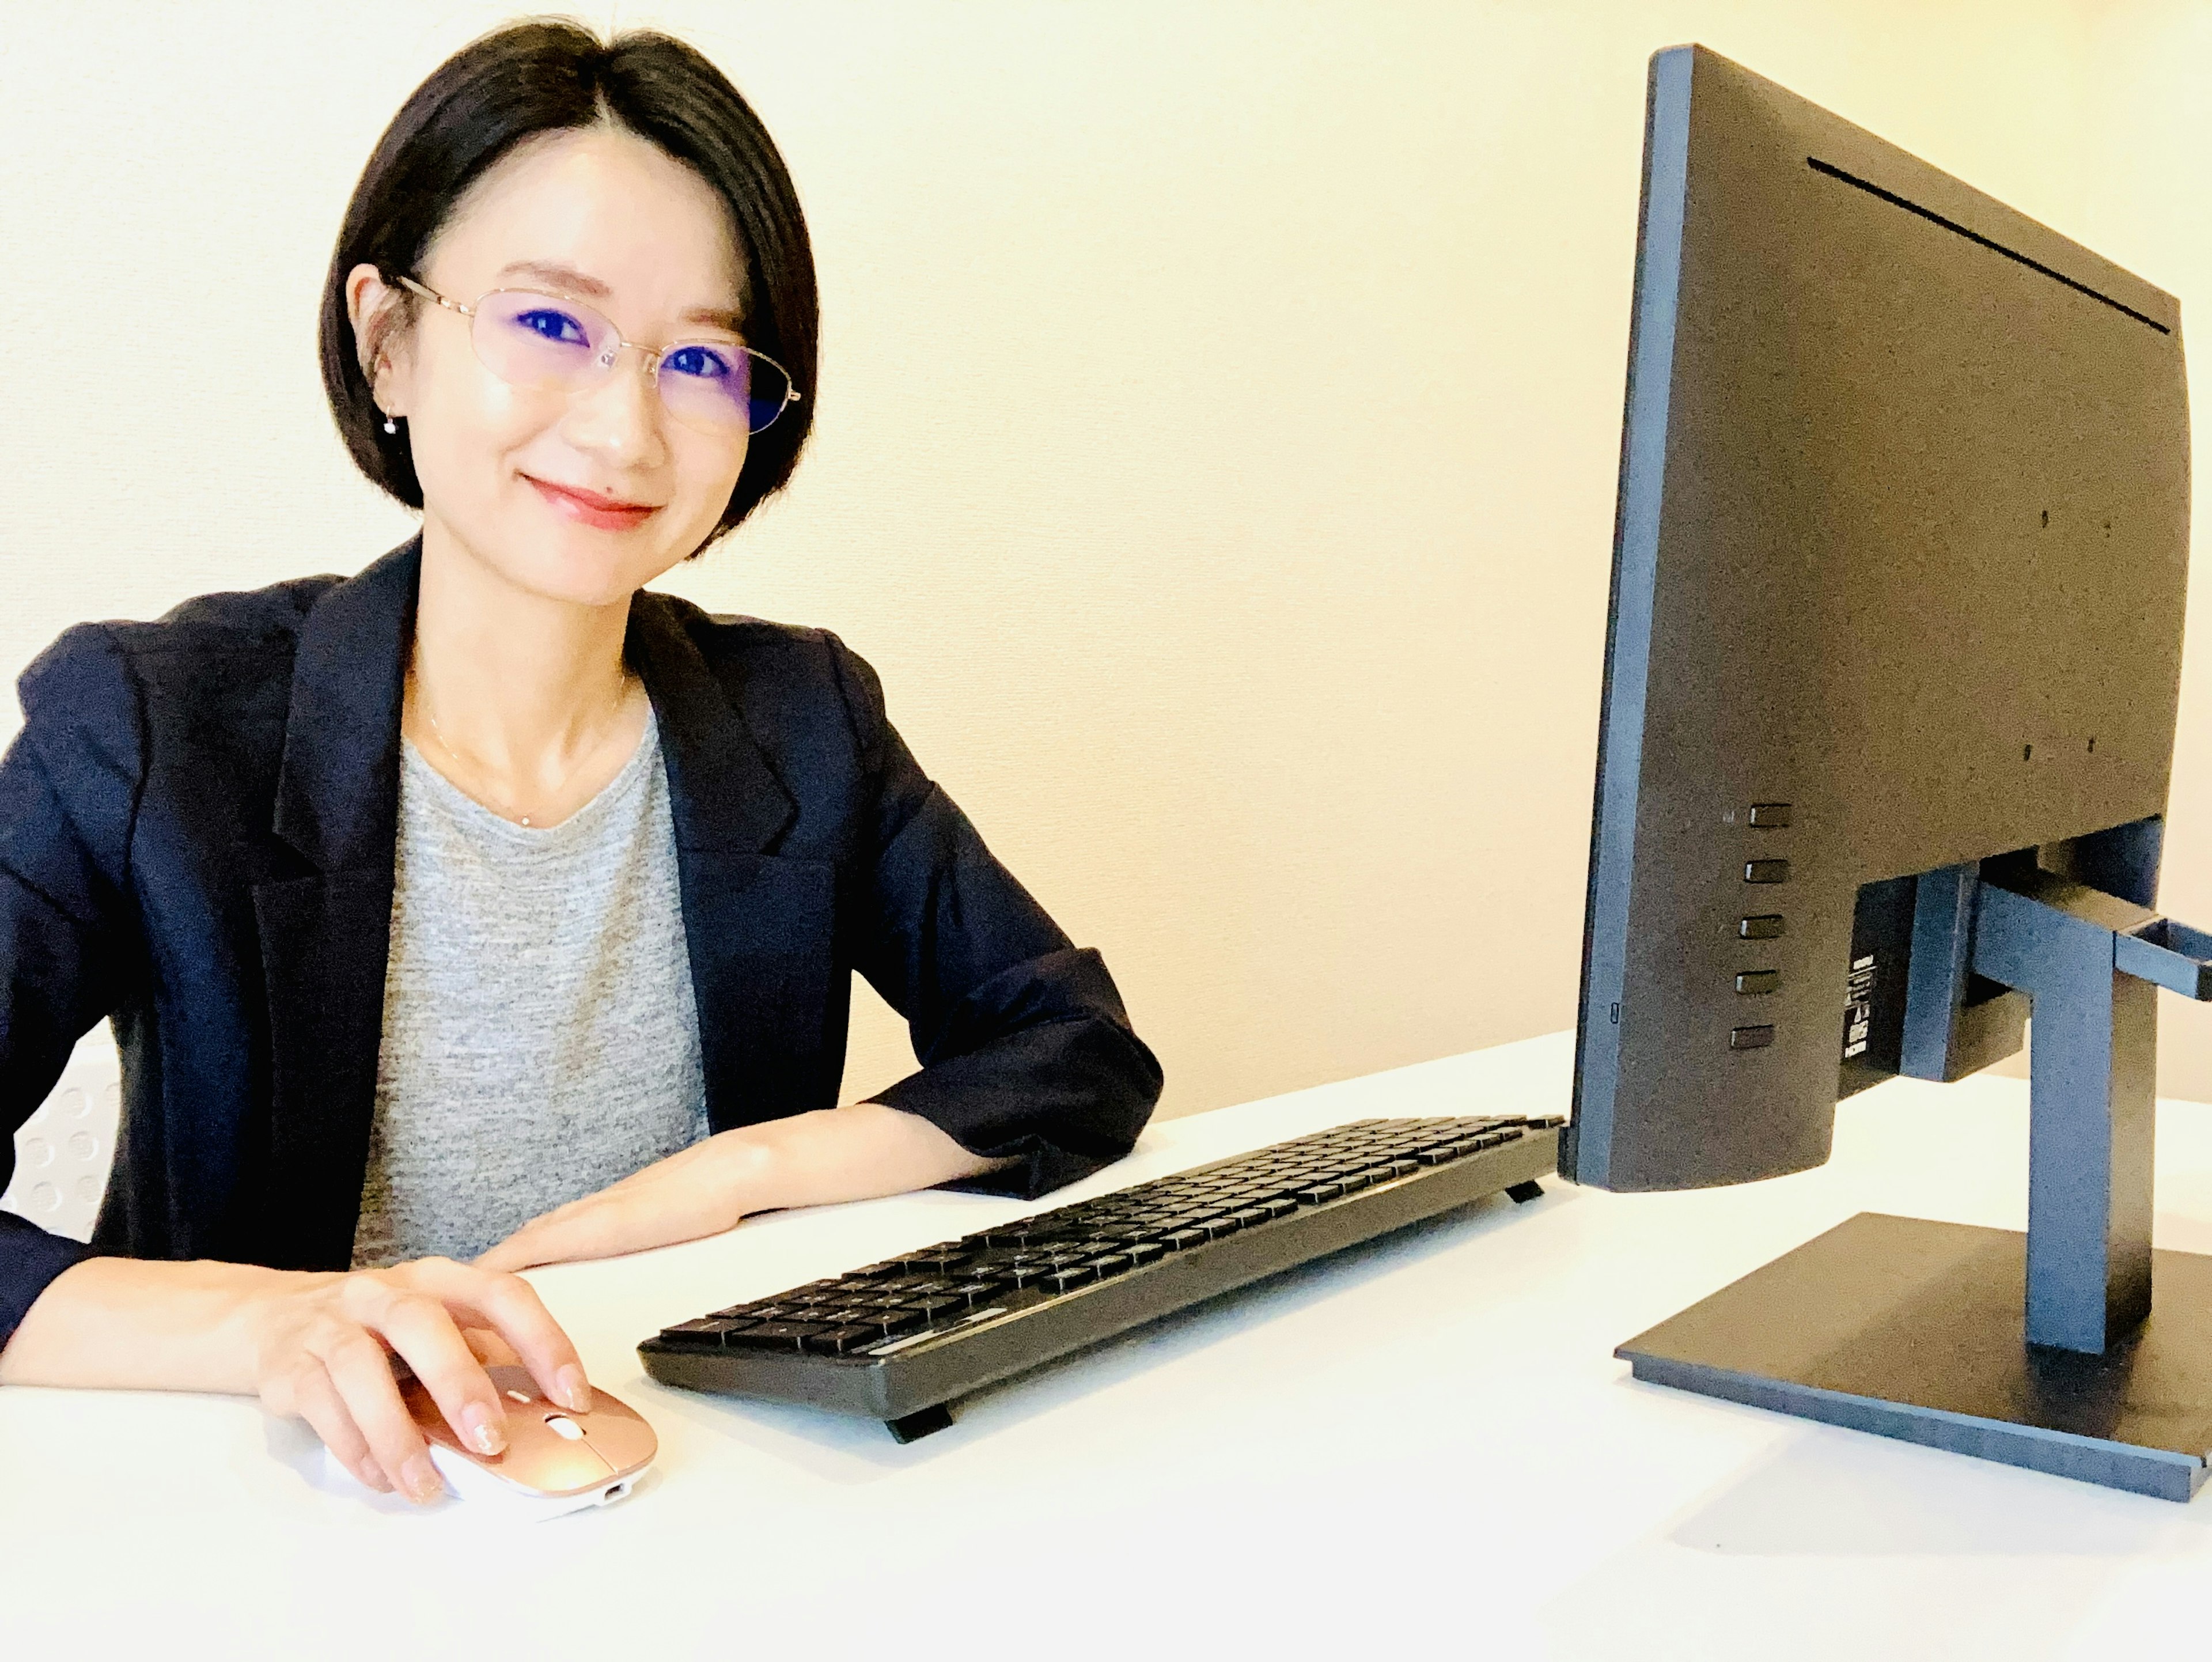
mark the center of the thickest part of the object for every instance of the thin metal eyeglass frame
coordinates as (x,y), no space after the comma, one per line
(654,355)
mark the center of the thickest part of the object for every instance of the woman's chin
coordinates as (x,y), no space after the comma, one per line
(586,576)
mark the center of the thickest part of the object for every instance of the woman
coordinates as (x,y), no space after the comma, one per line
(485,907)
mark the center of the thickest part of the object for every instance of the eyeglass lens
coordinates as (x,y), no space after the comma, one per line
(539,340)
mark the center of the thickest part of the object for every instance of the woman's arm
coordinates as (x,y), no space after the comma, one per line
(314,1345)
(69,787)
(853,1153)
(1031,1076)
(1027,1054)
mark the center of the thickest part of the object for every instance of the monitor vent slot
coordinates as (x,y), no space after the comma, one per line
(2013,254)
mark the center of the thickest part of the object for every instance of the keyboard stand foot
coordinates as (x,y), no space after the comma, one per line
(1521,1193)
(920,1423)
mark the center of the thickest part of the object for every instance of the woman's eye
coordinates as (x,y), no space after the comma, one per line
(703,361)
(553,325)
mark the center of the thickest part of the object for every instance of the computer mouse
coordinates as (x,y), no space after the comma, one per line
(553,1454)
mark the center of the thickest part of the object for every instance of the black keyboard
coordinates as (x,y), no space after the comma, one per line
(898,1341)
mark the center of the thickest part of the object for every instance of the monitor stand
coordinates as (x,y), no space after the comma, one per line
(2041,1350)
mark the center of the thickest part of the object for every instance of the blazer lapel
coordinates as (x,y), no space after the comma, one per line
(758,925)
(325,937)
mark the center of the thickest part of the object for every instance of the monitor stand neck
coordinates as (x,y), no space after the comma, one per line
(2091,964)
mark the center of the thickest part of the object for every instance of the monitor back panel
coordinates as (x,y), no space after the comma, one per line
(1901,544)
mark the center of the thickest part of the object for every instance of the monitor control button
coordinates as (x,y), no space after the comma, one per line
(1757,929)
(1758,980)
(1766,870)
(1750,1038)
(1770,816)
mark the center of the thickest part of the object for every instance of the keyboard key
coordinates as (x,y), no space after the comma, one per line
(1250,1215)
(773,1336)
(1073,1275)
(938,1258)
(707,1330)
(892,1323)
(1179,1240)
(1145,1252)
(842,1341)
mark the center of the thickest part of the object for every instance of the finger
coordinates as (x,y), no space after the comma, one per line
(316,1400)
(423,1331)
(604,1226)
(490,1349)
(510,1306)
(510,1255)
(362,1378)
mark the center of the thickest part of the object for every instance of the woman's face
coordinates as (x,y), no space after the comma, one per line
(582,495)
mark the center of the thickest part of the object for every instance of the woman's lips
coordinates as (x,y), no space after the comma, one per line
(589,508)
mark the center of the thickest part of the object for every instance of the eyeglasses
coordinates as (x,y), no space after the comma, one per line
(537,340)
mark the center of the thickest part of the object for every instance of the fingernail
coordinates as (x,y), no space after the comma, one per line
(487,1430)
(373,1475)
(575,1390)
(422,1479)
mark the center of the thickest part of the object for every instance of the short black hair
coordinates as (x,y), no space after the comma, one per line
(545,75)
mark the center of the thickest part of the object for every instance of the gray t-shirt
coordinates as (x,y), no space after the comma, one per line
(540,1036)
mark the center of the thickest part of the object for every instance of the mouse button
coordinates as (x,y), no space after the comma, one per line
(513,1382)
(620,1433)
(537,1458)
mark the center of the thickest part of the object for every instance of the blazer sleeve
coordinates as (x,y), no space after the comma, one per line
(1026,1051)
(69,787)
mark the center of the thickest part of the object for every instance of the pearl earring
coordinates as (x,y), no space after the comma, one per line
(390,425)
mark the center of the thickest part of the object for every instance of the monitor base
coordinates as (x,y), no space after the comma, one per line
(1916,1330)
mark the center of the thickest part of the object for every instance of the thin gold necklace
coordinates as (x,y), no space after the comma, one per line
(506,810)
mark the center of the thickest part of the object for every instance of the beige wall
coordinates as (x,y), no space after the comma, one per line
(1217,443)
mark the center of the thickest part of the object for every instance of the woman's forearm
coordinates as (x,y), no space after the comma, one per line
(127,1323)
(854,1153)
(808,1159)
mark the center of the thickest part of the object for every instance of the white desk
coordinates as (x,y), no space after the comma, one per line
(1425,1446)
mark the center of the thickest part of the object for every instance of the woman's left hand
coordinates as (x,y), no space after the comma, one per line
(700,1190)
(845,1154)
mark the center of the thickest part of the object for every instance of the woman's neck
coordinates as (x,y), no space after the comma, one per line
(520,699)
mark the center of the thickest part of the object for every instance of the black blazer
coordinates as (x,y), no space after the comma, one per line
(196,829)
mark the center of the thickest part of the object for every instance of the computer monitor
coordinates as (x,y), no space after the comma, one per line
(1898,576)
(1891,666)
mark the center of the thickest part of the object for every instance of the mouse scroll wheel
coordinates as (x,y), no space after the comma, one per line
(563,1427)
(520,1396)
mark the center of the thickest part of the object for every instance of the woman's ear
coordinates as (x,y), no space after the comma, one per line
(377,310)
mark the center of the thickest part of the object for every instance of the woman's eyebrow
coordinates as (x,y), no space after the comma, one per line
(586,287)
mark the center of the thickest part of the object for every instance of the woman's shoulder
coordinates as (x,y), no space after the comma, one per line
(221,658)
(765,664)
(213,627)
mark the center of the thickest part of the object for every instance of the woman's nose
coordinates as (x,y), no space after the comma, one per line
(618,417)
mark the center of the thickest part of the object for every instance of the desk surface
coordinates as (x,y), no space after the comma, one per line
(1425,1439)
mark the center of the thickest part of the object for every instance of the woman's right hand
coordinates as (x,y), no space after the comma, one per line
(322,1346)
(315,1344)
